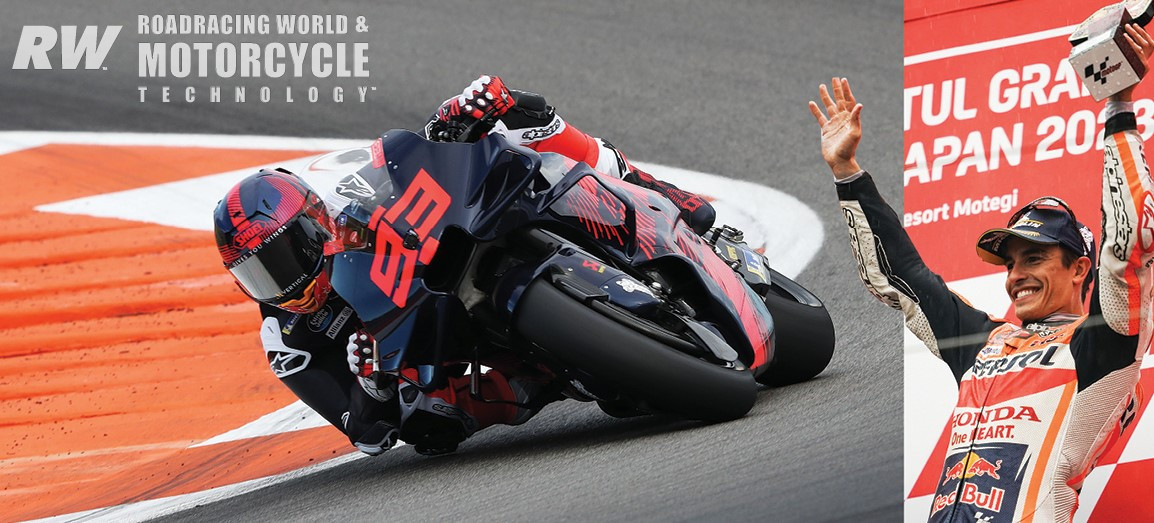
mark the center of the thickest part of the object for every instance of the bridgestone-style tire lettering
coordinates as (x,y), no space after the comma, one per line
(641,367)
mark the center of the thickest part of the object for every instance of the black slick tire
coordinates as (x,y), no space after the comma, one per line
(639,366)
(804,341)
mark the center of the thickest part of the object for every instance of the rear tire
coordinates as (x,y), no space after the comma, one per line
(637,365)
(804,341)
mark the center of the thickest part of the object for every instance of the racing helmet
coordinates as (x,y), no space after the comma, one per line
(271,230)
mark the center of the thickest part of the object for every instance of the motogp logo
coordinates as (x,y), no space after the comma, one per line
(1102,72)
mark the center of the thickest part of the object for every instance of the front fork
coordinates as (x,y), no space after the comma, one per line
(729,243)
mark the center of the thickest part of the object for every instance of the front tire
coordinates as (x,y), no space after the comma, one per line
(804,340)
(637,365)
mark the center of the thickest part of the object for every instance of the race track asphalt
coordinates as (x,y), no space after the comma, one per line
(719,87)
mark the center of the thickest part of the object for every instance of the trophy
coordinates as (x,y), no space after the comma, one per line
(1101,55)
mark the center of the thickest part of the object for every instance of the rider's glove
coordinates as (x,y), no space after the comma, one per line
(372,425)
(486,96)
(360,354)
(379,386)
(471,113)
(372,438)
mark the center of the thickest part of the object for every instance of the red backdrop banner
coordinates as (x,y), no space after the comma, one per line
(995,117)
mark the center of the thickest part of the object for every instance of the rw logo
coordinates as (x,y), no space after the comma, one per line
(37,40)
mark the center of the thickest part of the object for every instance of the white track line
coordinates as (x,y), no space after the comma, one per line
(154,508)
(988,46)
(11,141)
(294,417)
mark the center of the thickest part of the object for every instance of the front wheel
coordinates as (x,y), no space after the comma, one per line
(637,365)
(804,335)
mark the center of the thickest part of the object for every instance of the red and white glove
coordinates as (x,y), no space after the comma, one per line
(360,353)
(485,98)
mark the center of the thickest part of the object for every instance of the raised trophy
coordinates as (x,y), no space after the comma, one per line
(1101,55)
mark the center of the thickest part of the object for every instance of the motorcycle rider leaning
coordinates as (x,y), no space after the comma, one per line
(1039,403)
(275,234)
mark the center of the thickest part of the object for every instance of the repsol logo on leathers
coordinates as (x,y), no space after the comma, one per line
(1043,358)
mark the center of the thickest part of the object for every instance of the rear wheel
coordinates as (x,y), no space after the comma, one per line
(639,366)
(804,335)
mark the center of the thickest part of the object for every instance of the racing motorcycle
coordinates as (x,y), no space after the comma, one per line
(455,253)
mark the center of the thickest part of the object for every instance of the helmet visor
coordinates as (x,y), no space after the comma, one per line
(283,264)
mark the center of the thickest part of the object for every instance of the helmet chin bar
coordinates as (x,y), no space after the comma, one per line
(312,298)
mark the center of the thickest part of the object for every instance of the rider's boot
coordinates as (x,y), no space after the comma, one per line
(695,210)
(432,423)
(436,423)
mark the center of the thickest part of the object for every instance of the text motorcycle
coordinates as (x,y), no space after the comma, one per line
(452,253)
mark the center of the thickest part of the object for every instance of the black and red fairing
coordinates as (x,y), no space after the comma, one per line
(403,202)
(637,226)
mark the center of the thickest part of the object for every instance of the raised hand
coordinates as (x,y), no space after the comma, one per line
(841,131)
(1143,46)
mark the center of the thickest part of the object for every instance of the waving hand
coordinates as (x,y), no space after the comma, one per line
(841,131)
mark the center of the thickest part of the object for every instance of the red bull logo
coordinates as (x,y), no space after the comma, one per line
(981,467)
(970,495)
(955,472)
(972,465)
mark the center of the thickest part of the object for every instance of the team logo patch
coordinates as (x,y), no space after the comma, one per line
(539,133)
(353,186)
(290,324)
(628,285)
(1027,221)
(320,320)
(973,465)
(285,361)
(997,364)
(981,482)
(753,265)
(993,349)
(339,322)
(444,409)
